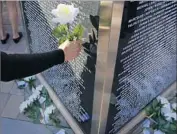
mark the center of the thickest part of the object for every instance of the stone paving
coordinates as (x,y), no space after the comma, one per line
(10,95)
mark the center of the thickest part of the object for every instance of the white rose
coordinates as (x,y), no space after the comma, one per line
(162,100)
(158,132)
(64,14)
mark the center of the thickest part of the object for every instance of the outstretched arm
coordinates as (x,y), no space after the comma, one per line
(15,66)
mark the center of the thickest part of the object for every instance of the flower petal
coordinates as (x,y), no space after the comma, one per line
(174,106)
(162,100)
(54,12)
(64,14)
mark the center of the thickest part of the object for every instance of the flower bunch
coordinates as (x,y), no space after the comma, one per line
(168,110)
(161,117)
(64,15)
(46,114)
(36,95)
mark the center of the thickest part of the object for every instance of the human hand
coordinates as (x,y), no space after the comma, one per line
(71,49)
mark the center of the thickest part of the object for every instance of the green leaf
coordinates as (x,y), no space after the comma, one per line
(78,31)
(149,110)
(173,127)
(155,104)
(71,37)
(60,31)
(31,83)
(167,126)
(161,121)
(54,118)
(62,39)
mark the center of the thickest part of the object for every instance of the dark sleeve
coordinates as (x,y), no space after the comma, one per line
(16,66)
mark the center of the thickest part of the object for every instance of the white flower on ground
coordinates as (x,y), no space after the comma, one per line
(34,96)
(169,116)
(146,131)
(48,111)
(64,14)
(174,106)
(29,101)
(42,100)
(39,88)
(23,106)
(33,89)
(62,131)
(167,112)
(162,100)
(158,132)
(166,108)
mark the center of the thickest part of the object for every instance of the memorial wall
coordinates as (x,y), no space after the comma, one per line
(146,59)
(73,82)
(145,62)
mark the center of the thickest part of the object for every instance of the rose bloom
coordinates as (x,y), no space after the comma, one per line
(64,14)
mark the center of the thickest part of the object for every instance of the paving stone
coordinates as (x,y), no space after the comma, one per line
(22,117)
(9,126)
(16,91)
(6,87)
(3,100)
(11,109)
(20,47)
(4,47)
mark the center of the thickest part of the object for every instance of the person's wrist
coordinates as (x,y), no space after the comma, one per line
(63,54)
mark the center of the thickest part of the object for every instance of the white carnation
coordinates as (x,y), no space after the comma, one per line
(23,106)
(170,116)
(39,88)
(48,111)
(168,113)
(64,14)
(31,99)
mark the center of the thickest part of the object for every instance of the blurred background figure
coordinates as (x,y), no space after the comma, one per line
(13,17)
